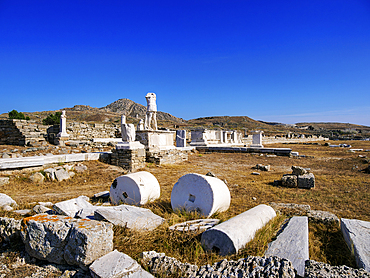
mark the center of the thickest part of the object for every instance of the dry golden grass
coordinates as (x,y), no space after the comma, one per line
(340,188)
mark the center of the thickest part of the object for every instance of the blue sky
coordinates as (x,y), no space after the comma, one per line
(283,61)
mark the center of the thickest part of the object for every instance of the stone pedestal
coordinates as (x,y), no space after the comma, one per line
(156,138)
(257,139)
(181,138)
(129,155)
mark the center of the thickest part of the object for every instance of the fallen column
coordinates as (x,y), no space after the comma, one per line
(233,234)
(205,194)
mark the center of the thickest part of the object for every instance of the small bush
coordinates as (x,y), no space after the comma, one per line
(52,119)
(14,114)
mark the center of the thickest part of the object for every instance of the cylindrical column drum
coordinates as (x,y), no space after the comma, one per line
(134,189)
(195,192)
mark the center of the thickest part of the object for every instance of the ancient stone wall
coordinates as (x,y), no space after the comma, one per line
(22,132)
(166,156)
(128,159)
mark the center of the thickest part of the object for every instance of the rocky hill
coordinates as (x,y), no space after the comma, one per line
(132,109)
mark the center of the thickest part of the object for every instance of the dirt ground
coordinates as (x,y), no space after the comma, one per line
(341,188)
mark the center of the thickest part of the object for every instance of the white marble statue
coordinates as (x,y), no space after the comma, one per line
(151,112)
(140,125)
(127,130)
(63,125)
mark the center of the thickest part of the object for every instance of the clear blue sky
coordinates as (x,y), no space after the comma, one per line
(284,61)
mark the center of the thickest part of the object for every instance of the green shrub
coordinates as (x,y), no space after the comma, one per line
(14,114)
(52,119)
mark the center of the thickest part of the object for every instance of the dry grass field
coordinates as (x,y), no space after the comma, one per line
(340,188)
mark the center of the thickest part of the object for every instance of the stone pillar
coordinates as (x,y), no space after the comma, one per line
(257,139)
(180,138)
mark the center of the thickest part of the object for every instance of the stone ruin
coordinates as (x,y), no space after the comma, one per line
(300,177)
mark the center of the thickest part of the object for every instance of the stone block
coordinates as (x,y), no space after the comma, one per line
(289,181)
(232,235)
(61,239)
(61,175)
(129,216)
(306,181)
(292,243)
(37,178)
(5,200)
(117,264)
(180,138)
(72,207)
(135,189)
(324,217)
(356,233)
(205,194)
(298,171)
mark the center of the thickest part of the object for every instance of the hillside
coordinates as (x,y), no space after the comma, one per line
(112,112)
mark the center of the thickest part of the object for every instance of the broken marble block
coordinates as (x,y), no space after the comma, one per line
(195,225)
(129,216)
(135,189)
(62,174)
(72,207)
(64,240)
(37,178)
(292,243)
(298,170)
(204,194)
(50,174)
(232,235)
(117,264)
(306,181)
(356,233)
(6,202)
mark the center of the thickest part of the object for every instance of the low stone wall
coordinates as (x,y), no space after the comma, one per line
(128,159)
(275,140)
(22,132)
(167,156)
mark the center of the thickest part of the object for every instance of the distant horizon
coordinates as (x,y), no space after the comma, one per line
(313,122)
(277,61)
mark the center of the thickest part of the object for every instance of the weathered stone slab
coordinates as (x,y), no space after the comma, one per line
(323,217)
(33,161)
(50,174)
(233,234)
(37,178)
(129,216)
(61,239)
(306,181)
(292,243)
(356,233)
(71,207)
(5,200)
(62,175)
(298,170)
(117,264)
(195,225)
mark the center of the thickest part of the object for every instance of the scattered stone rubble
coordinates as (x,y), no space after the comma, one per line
(247,267)
(315,269)
(300,178)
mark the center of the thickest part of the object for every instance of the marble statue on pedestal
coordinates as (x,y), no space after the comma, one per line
(151,112)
